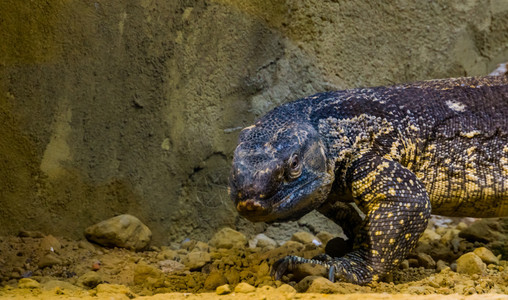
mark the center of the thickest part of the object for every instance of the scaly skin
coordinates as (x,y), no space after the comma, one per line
(395,151)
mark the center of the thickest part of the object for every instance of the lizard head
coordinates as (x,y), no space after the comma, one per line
(280,171)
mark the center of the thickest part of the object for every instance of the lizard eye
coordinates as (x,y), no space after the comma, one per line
(295,167)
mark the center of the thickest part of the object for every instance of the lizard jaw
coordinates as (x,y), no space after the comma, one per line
(293,205)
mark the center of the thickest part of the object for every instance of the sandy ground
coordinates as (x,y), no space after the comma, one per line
(34,265)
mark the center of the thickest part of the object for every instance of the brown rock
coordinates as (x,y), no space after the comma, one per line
(228,238)
(486,256)
(49,260)
(146,275)
(167,254)
(50,243)
(196,259)
(86,245)
(429,236)
(232,276)
(317,284)
(244,288)
(470,263)
(214,280)
(262,241)
(305,238)
(441,265)
(286,288)
(28,283)
(484,231)
(170,266)
(53,284)
(124,231)
(90,279)
(303,285)
(426,261)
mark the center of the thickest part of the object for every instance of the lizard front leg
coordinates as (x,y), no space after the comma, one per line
(397,209)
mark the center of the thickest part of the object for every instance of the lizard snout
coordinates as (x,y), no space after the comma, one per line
(249,205)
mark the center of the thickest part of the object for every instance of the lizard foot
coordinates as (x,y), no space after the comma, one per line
(346,269)
(287,264)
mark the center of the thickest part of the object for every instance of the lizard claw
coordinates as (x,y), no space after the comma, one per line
(280,267)
(331,273)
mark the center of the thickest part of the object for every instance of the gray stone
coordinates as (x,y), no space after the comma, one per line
(123,231)
(470,264)
(449,235)
(262,241)
(484,231)
(441,265)
(228,238)
(426,261)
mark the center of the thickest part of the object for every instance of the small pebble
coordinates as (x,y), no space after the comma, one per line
(96,265)
(441,265)
(223,289)
(244,288)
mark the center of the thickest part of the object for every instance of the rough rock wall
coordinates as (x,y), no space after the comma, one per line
(110,107)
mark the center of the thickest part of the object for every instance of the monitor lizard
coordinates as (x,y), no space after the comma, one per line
(399,152)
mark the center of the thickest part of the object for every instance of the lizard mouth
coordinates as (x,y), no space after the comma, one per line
(287,203)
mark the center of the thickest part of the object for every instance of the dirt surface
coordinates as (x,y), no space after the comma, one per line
(38,266)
